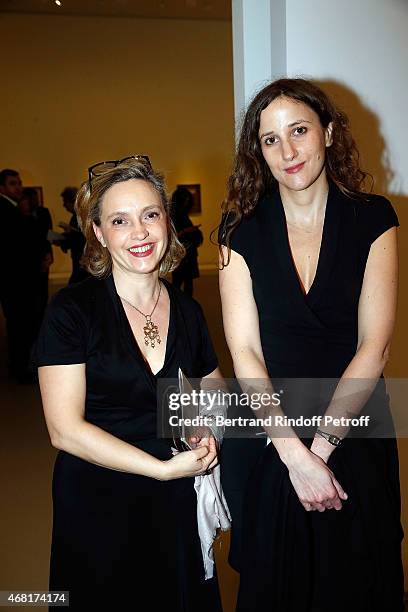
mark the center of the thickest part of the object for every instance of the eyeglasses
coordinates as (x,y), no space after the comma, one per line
(101,167)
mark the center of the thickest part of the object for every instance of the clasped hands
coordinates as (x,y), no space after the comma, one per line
(315,484)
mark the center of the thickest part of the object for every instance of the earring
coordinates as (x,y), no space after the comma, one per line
(103,244)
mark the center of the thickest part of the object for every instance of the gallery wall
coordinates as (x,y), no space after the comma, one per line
(86,89)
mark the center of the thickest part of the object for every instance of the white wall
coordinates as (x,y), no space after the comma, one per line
(362,44)
(259,47)
(356,48)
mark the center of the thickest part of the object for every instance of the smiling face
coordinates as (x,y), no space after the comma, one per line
(133,226)
(293,144)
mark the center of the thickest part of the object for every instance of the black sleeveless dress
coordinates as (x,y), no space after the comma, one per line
(291,560)
(122,540)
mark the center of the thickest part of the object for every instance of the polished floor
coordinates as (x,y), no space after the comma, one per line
(26,462)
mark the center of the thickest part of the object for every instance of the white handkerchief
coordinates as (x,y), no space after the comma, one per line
(212,514)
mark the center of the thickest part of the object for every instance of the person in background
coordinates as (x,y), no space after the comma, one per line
(74,238)
(30,205)
(190,237)
(22,254)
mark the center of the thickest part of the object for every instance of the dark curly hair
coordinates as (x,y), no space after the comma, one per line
(251,176)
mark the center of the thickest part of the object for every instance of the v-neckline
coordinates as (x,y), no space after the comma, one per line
(133,341)
(323,243)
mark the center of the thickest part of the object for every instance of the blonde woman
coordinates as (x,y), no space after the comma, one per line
(125,527)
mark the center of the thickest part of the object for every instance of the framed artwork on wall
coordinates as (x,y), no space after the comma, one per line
(195,190)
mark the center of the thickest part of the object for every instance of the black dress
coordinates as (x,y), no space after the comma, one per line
(292,560)
(121,539)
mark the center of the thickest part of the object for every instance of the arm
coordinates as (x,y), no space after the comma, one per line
(376,318)
(241,326)
(315,485)
(63,390)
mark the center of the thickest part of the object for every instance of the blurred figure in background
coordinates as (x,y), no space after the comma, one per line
(22,255)
(189,235)
(74,238)
(30,205)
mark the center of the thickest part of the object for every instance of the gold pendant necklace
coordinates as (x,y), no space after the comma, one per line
(151,330)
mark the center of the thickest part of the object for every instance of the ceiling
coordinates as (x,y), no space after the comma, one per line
(152,9)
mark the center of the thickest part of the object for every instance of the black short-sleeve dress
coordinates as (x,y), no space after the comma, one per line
(121,539)
(292,560)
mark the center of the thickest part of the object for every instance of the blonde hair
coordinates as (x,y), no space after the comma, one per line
(88,206)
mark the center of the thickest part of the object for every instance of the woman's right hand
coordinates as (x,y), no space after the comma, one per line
(314,482)
(192,463)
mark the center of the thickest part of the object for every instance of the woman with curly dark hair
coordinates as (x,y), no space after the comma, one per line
(308,283)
